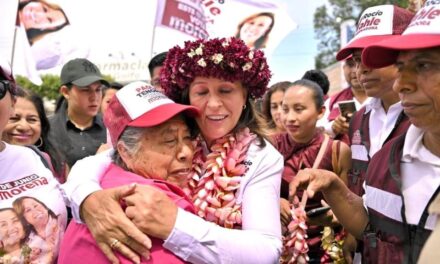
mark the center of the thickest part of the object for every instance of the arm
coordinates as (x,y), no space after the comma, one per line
(101,210)
(344,162)
(347,206)
(198,241)
(84,179)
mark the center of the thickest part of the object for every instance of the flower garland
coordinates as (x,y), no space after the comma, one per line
(217,176)
(332,244)
(295,246)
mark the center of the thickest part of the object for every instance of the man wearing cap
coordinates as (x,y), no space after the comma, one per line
(382,118)
(76,127)
(403,177)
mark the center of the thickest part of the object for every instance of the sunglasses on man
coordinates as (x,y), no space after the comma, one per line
(4,87)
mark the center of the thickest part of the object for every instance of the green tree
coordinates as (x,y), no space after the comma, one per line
(50,86)
(327,20)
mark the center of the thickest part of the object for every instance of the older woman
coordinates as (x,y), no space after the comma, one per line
(403,177)
(142,138)
(237,173)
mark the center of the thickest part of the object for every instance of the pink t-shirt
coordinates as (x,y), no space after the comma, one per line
(80,247)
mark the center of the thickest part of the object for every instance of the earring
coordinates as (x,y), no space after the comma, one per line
(244,107)
(41,143)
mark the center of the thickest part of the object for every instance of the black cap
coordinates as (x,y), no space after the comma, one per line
(81,72)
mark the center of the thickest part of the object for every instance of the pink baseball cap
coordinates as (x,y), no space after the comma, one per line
(376,23)
(140,105)
(423,32)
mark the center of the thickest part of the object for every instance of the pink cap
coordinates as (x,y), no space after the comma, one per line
(422,32)
(377,23)
(140,105)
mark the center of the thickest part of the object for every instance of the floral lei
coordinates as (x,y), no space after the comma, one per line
(217,176)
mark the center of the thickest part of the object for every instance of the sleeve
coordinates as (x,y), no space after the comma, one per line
(84,179)
(198,241)
(324,122)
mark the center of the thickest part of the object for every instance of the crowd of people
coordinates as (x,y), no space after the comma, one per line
(185,169)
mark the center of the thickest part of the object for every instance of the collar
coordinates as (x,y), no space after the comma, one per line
(413,147)
(376,104)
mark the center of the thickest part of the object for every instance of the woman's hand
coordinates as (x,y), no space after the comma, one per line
(108,223)
(286,216)
(152,211)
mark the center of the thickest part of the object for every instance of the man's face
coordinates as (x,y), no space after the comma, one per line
(418,85)
(84,101)
(378,83)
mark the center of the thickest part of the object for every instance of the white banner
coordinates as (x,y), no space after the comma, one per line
(121,37)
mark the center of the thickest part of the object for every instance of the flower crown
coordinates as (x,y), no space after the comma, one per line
(227,59)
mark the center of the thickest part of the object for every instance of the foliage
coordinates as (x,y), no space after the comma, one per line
(50,86)
(327,20)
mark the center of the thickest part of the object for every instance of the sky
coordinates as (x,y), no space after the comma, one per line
(296,53)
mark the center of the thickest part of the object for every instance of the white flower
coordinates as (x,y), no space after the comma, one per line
(225,43)
(262,66)
(181,70)
(217,58)
(251,54)
(247,66)
(201,62)
(232,65)
(191,54)
(199,50)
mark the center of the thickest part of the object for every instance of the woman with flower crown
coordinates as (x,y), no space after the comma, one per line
(236,177)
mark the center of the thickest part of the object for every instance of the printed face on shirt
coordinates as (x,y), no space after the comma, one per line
(165,152)
(109,93)
(378,83)
(11,229)
(255,28)
(6,110)
(40,15)
(276,101)
(220,103)
(34,212)
(24,126)
(418,85)
(83,101)
(300,113)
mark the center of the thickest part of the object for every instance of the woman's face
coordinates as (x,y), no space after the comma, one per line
(221,104)
(24,127)
(6,109)
(255,28)
(34,212)
(41,16)
(11,229)
(109,93)
(276,101)
(300,114)
(165,152)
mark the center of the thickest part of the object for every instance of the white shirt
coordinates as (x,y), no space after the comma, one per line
(420,176)
(381,123)
(198,241)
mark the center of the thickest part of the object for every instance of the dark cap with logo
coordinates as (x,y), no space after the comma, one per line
(81,72)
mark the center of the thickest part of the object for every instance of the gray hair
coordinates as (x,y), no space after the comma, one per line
(131,138)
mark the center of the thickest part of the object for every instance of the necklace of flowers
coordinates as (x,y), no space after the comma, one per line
(295,245)
(217,177)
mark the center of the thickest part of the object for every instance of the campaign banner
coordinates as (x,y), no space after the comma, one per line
(40,36)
